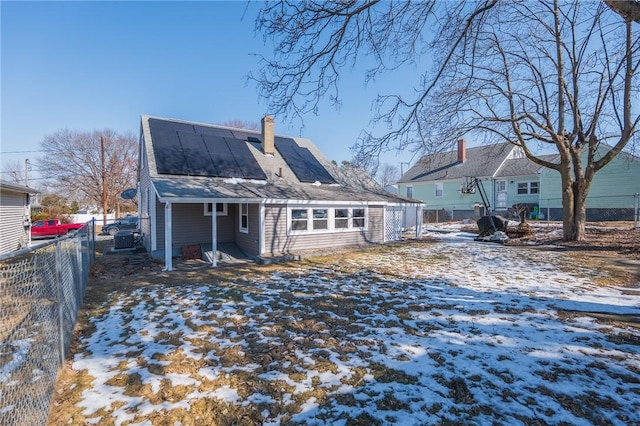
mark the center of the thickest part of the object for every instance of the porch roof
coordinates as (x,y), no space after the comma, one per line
(198,189)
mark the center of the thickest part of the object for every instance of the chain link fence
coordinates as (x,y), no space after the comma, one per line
(41,292)
(619,208)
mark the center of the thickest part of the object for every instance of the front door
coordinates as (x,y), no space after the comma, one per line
(501,195)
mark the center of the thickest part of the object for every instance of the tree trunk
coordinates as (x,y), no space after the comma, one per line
(574,208)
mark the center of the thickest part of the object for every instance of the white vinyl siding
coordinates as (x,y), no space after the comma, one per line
(13,215)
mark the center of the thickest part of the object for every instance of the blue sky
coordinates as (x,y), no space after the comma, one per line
(97,65)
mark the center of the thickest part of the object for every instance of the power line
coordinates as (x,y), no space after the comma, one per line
(19,152)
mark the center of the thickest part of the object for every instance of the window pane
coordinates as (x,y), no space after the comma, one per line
(244,208)
(439,189)
(320,219)
(522,188)
(342,223)
(299,225)
(320,213)
(299,214)
(342,213)
(358,218)
(410,191)
(244,221)
(219,207)
(535,187)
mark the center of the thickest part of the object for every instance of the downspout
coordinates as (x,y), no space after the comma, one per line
(168,261)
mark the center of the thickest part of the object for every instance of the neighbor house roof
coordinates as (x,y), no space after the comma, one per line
(17,188)
(481,161)
(195,161)
(521,167)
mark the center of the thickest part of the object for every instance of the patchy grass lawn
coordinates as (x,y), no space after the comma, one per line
(444,332)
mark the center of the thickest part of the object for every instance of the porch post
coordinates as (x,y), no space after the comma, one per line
(214,236)
(418,222)
(168,263)
(261,234)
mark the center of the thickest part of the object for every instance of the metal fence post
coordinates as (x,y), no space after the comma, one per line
(60,300)
(636,215)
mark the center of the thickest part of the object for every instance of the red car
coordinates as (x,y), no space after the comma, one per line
(52,228)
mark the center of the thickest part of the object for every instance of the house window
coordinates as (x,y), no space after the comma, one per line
(221,209)
(299,219)
(410,191)
(320,219)
(313,220)
(525,188)
(534,187)
(358,218)
(244,218)
(341,220)
(439,189)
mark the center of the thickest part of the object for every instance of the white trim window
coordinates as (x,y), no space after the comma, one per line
(243,222)
(317,220)
(221,209)
(528,188)
(410,191)
(439,186)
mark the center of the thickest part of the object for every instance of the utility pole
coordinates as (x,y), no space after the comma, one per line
(26,172)
(104,182)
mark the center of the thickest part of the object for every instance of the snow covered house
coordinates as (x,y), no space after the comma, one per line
(206,185)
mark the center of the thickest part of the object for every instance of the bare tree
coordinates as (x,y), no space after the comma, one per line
(536,74)
(241,124)
(74,167)
(388,175)
(14,172)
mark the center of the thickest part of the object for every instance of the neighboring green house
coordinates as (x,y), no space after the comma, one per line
(613,194)
(444,182)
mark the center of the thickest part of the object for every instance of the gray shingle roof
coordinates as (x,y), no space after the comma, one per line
(521,167)
(482,161)
(281,183)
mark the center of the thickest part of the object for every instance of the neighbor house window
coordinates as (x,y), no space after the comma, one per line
(410,191)
(534,187)
(338,219)
(244,217)
(221,209)
(525,188)
(439,189)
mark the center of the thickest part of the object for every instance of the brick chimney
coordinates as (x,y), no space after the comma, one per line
(268,143)
(462,151)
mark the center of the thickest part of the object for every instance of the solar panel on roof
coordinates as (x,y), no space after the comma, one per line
(195,151)
(221,156)
(213,131)
(246,161)
(304,164)
(170,158)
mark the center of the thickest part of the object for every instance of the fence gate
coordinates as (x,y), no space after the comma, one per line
(393,223)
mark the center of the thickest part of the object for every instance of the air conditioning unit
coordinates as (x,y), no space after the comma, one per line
(123,240)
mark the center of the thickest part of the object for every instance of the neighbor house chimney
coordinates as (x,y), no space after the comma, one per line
(268,144)
(462,150)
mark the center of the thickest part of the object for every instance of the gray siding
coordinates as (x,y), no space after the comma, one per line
(190,226)
(12,215)
(277,241)
(248,242)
